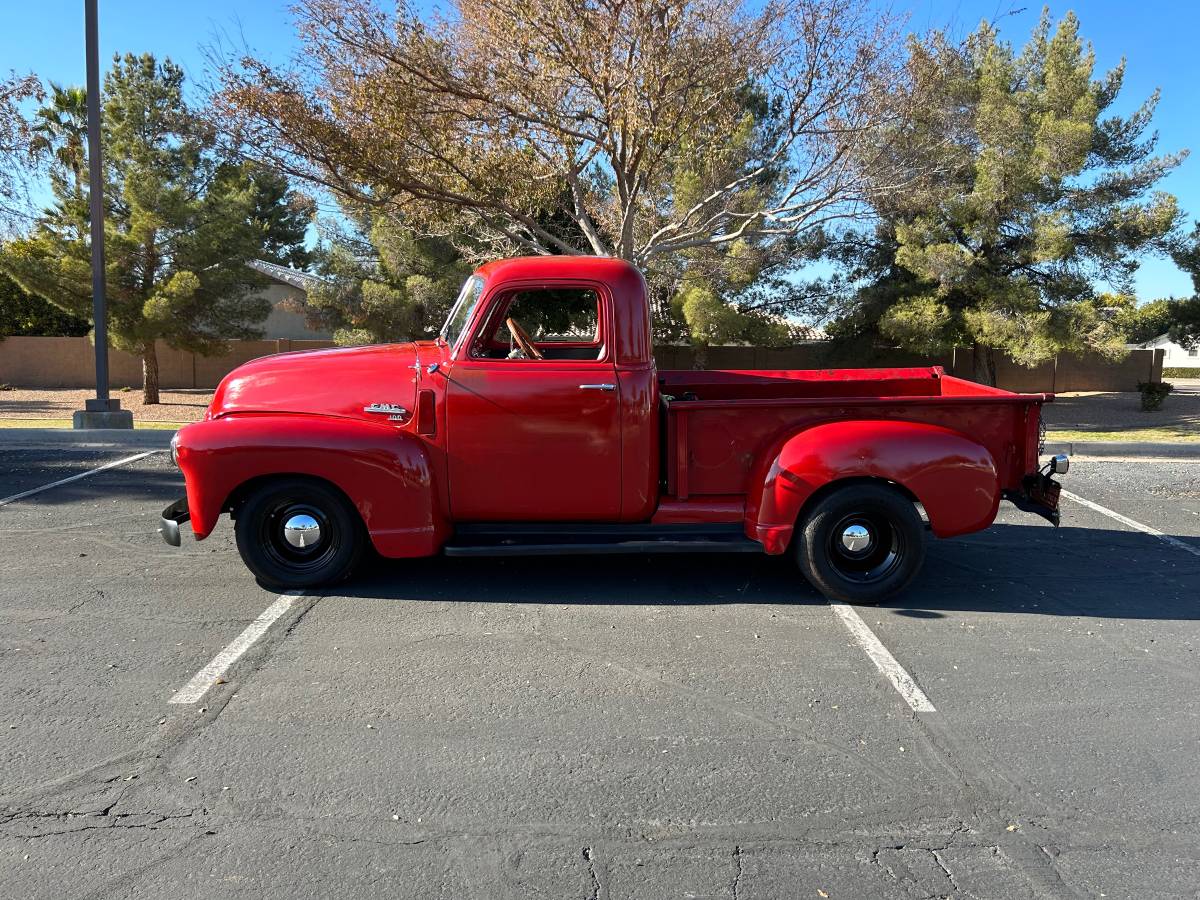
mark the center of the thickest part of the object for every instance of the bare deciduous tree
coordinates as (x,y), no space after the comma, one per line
(17,161)
(646,127)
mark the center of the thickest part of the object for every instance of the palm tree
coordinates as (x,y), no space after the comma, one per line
(60,128)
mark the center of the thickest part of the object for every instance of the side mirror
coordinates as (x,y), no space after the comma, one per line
(1060,464)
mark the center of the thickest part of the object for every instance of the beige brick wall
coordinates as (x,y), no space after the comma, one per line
(54,362)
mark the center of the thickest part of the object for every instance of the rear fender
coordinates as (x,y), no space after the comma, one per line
(952,476)
(384,472)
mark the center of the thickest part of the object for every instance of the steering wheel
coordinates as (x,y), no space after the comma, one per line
(524,341)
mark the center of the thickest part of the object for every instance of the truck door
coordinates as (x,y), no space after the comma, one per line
(533,409)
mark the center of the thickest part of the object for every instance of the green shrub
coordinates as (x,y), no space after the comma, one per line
(26,314)
(1180,372)
(1154,393)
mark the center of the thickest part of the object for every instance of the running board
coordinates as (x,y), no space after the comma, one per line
(521,539)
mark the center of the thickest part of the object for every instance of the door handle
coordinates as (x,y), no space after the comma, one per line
(597,387)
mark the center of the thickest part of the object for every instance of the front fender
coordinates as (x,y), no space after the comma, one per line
(386,473)
(953,477)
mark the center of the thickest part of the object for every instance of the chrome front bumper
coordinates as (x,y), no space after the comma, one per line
(172,517)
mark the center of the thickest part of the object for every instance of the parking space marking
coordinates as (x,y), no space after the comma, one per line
(207,677)
(1125,520)
(883,659)
(61,481)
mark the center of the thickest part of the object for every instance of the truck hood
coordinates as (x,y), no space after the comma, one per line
(333,382)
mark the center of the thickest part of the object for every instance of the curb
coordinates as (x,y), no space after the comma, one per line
(1117,449)
(86,438)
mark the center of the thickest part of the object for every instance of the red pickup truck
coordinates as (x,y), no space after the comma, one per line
(537,423)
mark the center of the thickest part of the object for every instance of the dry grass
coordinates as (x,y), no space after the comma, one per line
(1167,435)
(67,423)
(1119,417)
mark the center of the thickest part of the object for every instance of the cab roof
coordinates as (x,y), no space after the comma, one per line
(600,268)
(630,325)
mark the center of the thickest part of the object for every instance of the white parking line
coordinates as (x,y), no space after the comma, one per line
(54,484)
(207,677)
(884,661)
(1125,520)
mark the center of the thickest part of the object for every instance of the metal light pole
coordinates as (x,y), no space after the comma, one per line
(103,412)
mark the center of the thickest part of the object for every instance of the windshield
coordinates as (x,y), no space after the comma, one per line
(460,314)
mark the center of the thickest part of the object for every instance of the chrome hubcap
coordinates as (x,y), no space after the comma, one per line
(302,531)
(865,547)
(856,538)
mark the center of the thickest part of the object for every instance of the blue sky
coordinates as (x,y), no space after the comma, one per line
(1157,37)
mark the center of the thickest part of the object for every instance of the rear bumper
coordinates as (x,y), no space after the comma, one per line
(172,517)
(1038,494)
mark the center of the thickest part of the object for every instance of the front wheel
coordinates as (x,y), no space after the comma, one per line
(298,533)
(861,543)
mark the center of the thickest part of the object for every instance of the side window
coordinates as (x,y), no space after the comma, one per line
(542,323)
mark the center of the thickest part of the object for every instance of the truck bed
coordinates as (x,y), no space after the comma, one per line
(718,423)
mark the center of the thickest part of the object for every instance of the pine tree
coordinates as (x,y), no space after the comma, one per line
(381,281)
(181,222)
(1025,194)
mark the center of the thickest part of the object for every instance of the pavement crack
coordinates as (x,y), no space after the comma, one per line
(162,745)
(737,870)
(35,825)
(95,594)
(701,697)
(359,839)
(589,855)
(937,857)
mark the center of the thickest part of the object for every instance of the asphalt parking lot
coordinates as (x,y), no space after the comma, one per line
(598,727)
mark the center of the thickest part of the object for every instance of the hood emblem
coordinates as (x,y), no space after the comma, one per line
(394,412)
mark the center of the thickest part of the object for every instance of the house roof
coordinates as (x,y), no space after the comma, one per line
(802,333)
(283,274)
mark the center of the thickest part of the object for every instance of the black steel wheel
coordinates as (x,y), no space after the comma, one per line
(299,533)
(861,543)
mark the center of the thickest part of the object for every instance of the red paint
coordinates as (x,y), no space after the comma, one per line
(953,476)
(338,382)
(387,476)
(526,443)
(713,510)
(520,440)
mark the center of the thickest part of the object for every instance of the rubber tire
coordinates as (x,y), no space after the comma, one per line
(338,512)
(813,533)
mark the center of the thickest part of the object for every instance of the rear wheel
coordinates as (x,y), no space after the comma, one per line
(861,543)
(299,533)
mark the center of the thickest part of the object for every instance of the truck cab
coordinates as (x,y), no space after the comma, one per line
(547,384)
(537,422)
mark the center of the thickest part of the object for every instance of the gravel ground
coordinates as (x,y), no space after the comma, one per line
(29,403)
(1115,411)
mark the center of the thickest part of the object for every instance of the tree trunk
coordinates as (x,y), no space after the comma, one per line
(699,356)
(150,375)
(984,363)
